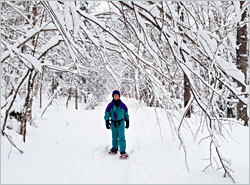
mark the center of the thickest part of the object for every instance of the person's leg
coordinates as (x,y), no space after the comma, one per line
(114,136)
(121,135)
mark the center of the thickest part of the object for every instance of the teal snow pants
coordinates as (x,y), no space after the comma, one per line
(118,136)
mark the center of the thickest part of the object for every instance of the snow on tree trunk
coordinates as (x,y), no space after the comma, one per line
(69,97)
(187,90)
(26,109)
(242,64)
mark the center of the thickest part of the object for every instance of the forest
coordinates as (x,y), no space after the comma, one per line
(189,57)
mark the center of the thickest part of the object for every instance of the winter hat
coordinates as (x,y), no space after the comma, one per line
(115,92)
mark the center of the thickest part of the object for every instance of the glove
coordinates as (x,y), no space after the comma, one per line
(127,124)
(107,124)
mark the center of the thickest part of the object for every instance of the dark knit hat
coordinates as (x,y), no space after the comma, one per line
(115,92)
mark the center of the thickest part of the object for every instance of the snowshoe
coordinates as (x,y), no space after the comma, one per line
(112,152)
(123,156)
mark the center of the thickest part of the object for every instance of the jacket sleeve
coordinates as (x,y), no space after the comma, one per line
(126,116)
(106,116)
(107,113)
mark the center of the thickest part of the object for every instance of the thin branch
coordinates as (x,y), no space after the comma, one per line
(11,141)
(51,101)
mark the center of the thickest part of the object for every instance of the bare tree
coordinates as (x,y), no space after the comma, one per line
(242,63)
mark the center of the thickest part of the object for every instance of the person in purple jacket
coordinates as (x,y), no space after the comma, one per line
(118,112)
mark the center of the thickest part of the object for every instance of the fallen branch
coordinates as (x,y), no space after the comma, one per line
(11,142)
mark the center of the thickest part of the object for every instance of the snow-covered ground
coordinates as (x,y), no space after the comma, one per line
(70,146)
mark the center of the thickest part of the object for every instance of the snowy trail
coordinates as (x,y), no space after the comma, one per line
(71,147)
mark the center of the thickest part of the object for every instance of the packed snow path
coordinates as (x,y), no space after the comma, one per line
(70,146)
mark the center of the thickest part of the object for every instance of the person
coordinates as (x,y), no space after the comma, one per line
(118,112)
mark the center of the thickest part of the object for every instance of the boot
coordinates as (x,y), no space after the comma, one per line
(113,151)
(123,155)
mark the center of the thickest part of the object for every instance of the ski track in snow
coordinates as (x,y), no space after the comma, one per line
(70,146)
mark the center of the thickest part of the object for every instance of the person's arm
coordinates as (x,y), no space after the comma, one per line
(126,116)
(127,120)
(107,112)
(107,115)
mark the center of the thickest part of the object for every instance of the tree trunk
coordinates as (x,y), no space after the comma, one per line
(34,11)
(69,97)
(41,87)
(76,99)
(26,109)
(242,64)
(187,90)
(85,98)
(137,93)
(187,95)
(31,83)
(29,111)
